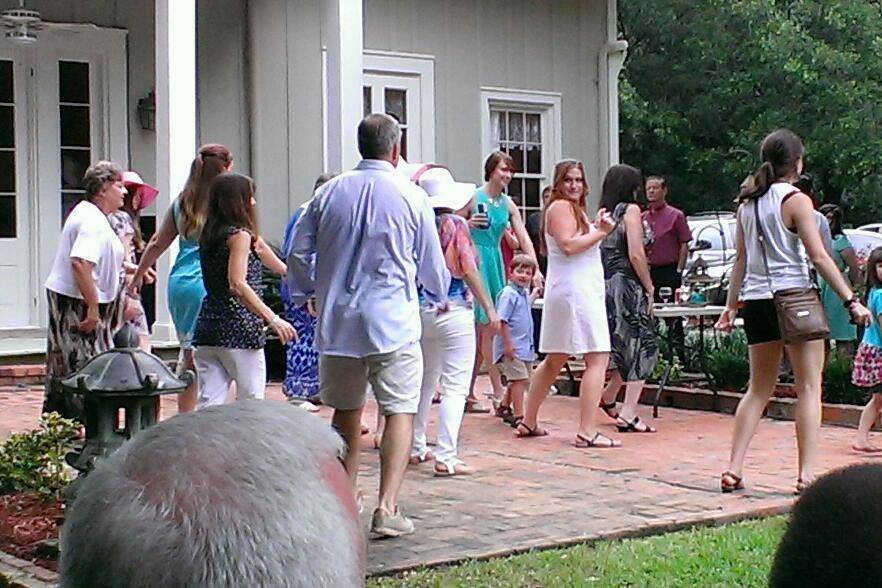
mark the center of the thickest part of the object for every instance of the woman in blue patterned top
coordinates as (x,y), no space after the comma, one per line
(230,334)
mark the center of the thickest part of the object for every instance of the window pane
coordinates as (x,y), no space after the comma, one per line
(515,190)
(534,134)
(404,144)
(7,126)
(516,126)
(366,100)
(6,93)
(73,81)
(68,201)
(531,189)
(497,124)
(396,104)
(517,153)
(534,159)
(7,217)
(75,126)
(73,165)
(7,171)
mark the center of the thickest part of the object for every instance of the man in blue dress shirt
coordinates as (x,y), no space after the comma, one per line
(360,247)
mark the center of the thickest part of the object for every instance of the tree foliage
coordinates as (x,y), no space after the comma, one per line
(706,80)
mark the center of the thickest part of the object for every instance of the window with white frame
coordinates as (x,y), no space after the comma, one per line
(526,125)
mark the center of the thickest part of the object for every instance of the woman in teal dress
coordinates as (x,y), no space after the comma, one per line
(842,331)
(184,219)
(493,211)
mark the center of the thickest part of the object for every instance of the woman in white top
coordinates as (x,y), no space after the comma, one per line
(790,231)
(574,312)
(83,288)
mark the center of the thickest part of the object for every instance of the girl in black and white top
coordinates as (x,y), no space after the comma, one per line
(230,334)
(791,241)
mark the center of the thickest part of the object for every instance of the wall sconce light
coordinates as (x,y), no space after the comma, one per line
(147,112)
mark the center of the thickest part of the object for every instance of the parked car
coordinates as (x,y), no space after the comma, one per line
(873,227)
(713,240)
(863,242)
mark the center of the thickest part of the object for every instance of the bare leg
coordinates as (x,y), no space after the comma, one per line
(764,361)
(378,430)
(393,458)
(485,343)
(348,424)
(515,393)
(543,378)
(632,397)
(868,417)
(590,391)
(187,398)
(611,392)
(807,360)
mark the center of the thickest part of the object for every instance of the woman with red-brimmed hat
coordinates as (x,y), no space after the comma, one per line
(126,224)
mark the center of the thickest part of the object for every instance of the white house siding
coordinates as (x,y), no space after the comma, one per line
(550,45)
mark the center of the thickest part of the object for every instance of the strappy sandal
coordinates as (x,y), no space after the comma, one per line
(456,468)
(418,459)
(631,426)
(730,482)
(610,409)
(583,442)
(521,427)
(475,407)
(501,411)
(801,486)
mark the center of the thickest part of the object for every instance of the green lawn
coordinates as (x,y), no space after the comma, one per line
(735,555)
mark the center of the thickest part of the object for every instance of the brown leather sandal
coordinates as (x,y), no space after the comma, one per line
(583,442)
(522,429)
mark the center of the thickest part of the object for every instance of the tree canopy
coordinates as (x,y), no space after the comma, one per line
(706,80)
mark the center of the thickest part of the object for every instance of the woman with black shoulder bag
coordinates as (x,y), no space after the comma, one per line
(776,237)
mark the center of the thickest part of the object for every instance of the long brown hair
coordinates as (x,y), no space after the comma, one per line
(211,160)
(780,152)
(873,260)
(561,169)
(229,205)
(135,214)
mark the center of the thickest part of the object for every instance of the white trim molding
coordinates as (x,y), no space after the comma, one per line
(610,62)
(417,66)
(546,103)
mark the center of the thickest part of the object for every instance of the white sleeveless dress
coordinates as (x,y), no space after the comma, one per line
(574,312)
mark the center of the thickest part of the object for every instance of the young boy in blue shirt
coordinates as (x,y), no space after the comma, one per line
(513,351)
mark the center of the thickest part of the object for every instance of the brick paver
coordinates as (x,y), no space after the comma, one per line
(543,491)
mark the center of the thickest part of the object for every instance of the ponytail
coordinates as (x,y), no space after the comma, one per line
(780,152)
(757,183)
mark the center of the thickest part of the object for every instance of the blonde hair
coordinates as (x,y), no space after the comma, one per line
(211,161)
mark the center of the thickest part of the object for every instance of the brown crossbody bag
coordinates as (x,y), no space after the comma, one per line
(801,315)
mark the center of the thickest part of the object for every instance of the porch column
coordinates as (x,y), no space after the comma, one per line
(345,47)
(611,59)
(175,128)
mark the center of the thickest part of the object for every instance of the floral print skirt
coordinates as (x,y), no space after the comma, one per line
(634,349)
(867,370)
(68,349)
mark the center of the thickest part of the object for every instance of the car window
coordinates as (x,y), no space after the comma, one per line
(715,233)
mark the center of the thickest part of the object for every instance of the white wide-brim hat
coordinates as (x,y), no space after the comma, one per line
(437,181)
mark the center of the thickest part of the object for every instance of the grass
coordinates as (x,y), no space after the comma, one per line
(735,555)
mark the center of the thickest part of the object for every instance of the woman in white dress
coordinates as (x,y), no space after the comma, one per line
(574,314)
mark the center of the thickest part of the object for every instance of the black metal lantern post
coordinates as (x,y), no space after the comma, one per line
(147,112)
(126,379)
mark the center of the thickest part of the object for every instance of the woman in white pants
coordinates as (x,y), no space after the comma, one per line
(448,340)
(230,333)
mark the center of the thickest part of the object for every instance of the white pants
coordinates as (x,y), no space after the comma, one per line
(448,344)
(218,366)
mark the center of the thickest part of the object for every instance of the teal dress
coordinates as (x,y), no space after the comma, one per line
(487,243)
(838,317)
(185,287)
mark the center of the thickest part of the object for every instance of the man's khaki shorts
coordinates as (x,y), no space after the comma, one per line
(515,369)
(395,378)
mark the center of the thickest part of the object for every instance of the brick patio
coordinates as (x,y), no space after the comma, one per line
(543,492)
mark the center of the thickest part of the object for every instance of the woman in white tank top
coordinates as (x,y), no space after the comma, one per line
(791,240)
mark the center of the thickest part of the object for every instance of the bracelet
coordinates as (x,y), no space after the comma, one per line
(273,320)
(849,304)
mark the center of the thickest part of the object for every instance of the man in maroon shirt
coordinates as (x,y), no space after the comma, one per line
(670,245)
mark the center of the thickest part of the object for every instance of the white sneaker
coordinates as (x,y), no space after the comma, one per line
(391,525)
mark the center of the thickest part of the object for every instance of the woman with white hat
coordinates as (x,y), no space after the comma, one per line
(126,224)
(448,340)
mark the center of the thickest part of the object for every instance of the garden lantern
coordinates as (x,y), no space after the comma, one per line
(698,280)
(125,379)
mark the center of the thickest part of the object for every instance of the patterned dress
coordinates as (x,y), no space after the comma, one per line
(224,321)
(301,359)
(632,336)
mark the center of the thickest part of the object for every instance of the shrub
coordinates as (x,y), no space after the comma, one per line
(34,461)
(727,363)
(838,388)
(659,370)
